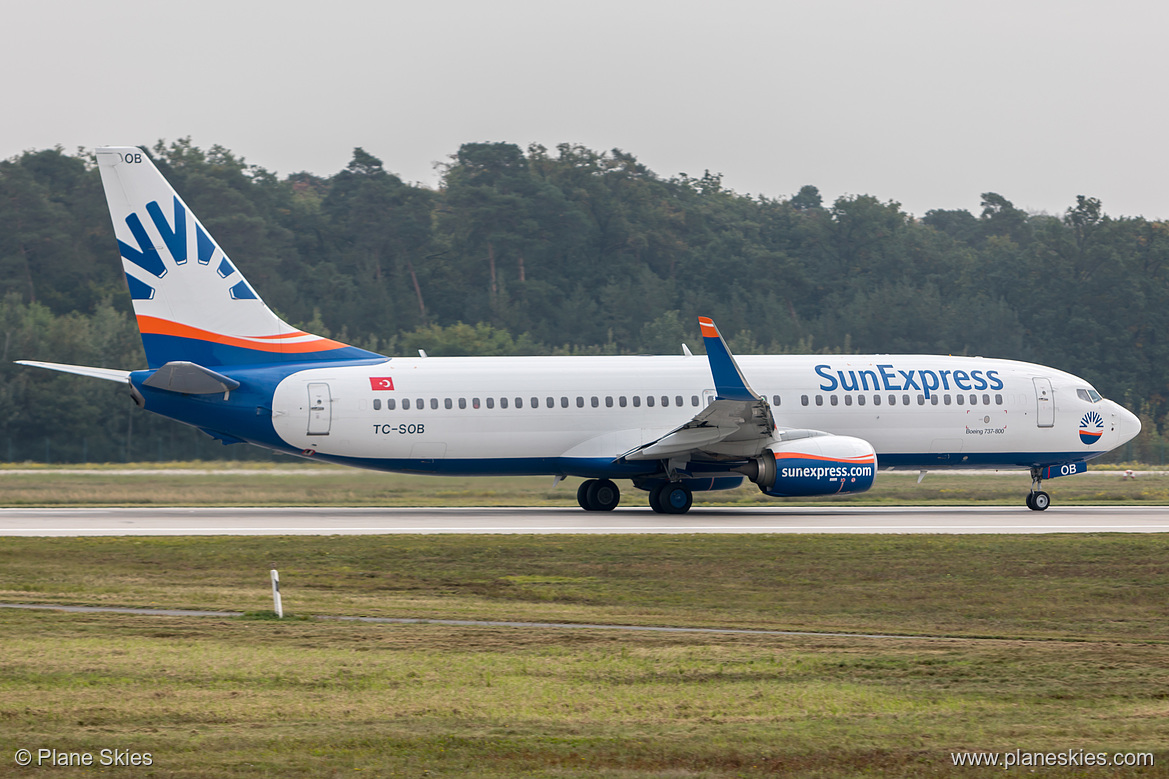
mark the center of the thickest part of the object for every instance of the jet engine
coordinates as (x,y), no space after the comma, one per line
(814,464)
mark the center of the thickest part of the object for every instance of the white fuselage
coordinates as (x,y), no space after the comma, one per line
(572,415)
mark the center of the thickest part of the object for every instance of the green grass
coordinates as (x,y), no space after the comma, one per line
(200,484)
(1079,654)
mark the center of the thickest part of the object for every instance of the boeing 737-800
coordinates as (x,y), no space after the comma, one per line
(219,359)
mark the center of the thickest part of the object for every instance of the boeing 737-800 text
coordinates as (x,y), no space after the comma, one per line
(220,360)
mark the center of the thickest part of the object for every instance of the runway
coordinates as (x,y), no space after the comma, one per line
(390,521)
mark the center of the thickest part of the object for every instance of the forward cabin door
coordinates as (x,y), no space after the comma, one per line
(320,408)
(1045,403)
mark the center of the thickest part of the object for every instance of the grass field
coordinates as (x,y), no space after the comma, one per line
(1061,644)
(188,484)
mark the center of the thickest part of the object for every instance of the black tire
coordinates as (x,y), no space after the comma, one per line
(1040,501)
(603,495)
(1030,505)
(655,502)
(582,494)
(675,498)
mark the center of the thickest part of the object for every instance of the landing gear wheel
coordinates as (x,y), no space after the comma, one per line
(582,494)
(602,495)
(1037,499)
(671,498)
(655,502)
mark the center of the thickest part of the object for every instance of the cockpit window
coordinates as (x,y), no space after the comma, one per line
(1090,395)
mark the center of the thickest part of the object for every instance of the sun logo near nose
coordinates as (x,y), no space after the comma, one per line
(1091,427)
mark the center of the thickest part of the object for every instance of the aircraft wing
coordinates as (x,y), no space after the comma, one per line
(738,423)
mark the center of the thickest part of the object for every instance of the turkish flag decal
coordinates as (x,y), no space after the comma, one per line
(381,383)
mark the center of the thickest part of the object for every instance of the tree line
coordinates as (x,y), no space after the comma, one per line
(573,251)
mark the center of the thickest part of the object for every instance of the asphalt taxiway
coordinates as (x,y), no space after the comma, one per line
(17,522)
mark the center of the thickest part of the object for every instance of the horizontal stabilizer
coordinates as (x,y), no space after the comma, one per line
(109,374)
(190,379)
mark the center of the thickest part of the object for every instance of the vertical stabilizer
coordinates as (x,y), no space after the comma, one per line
(191,301)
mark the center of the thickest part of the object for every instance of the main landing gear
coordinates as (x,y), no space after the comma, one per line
(598,495)
(1037,499)
(672,497)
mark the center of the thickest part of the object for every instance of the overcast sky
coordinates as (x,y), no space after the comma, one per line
(925,103)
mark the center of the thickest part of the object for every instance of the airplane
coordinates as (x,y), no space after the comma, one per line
(220,360)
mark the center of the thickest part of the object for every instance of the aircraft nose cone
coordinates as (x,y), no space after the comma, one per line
(1129,426)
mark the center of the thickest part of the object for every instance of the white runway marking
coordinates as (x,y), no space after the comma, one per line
(389,521)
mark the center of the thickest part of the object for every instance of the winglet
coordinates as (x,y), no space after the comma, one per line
(728,379)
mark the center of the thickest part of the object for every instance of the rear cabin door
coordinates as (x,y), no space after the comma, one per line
(1045,403)
(320,408)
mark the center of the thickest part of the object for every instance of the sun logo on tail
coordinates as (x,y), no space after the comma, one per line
(1091,428)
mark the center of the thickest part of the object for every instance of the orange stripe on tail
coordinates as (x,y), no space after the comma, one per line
(155,326)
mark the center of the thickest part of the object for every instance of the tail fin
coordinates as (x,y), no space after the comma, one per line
(191,302)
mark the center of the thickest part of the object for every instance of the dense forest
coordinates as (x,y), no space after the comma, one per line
(567,251)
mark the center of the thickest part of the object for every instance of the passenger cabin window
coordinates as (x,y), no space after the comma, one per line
(678,400)
(934,399)
(535,402)
(694,400)
(502,403)
(550,402)
(876,400)
(434,403)
(834,400)
(961,400)
(803,400)
(973,399)
(637,401)
(579,401)
(986,400)
(519,402)
(594,401)
(848,400)
(474,402)
(390,404)
(564,401)
(491,403)
(621,401)
(421,404)
(665,401)
(649,400)
(946,399)
(775,400)
(905,400)
(608,401)
(998,400)
(377,404)
(405,404)
(921,400)
(860,400)
(448,403)
(819,400)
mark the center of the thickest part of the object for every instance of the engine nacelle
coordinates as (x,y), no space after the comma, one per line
(816,465)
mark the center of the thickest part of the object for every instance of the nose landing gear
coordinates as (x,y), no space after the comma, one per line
(1037,499)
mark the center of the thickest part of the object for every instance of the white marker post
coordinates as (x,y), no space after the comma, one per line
(276,594)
